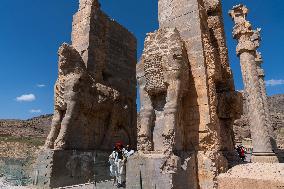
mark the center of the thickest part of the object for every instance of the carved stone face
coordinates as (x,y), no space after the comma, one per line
(69,59)
(64,55)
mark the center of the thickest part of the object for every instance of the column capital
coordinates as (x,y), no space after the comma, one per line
(239,13)
(249,39)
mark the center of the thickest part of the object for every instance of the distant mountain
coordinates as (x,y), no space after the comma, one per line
(34,127)
(39,126)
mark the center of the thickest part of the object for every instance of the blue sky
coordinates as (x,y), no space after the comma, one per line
(32,30)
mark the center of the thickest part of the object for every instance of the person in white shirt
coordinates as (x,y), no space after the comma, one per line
(117,161)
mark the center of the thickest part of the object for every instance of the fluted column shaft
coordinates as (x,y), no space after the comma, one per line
(256,109)
(255,92)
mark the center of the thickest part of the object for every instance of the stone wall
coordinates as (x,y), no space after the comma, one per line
(200,111)
(107,48)
(96,82)
(94,101)
(109,53)
(67,168)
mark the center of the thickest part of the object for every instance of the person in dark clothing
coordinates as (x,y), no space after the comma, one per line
(241,152)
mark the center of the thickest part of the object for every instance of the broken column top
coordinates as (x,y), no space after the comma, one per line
(242,27)
(249,39)
(239,12)
(93,3)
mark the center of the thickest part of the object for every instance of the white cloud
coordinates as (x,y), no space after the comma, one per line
(26,98)
(40,85)
(274,82)
(35,111)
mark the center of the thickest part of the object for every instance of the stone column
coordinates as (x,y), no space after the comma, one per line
(261,75)
(254,85)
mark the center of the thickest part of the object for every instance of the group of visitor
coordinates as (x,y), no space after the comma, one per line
(117,161)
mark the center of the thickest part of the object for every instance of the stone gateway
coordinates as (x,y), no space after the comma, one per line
(94,102)
(188,100)
(183,136)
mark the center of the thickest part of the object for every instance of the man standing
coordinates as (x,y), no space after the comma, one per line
(117,161)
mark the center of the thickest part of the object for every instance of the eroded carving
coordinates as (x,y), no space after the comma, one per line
(77,99)
(162,85)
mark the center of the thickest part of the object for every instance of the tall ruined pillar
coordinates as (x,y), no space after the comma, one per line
(210,107)
(260,124)
(94,101)
(187,100)
(229,101)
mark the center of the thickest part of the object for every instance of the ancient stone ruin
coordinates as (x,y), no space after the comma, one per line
(184,136)
(94,102)
(188,100)
(265,171)
(255,92)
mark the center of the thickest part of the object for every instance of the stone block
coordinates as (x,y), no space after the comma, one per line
(253,176)
(146,171)
(57,168)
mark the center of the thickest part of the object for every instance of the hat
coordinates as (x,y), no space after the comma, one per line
(119,144)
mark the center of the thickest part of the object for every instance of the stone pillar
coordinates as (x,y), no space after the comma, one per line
(229,101)
(254,85)
(95,100)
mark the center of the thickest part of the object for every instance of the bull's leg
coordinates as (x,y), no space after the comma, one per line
(69,118)
(171,114)
(146,114)
(55,128)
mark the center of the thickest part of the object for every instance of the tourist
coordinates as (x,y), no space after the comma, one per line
(113,168)
(127,151)
(241,152)
(117,161)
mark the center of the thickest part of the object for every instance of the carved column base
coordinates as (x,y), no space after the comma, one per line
(264,157)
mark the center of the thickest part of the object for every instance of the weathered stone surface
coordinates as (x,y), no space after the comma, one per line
(253,77)
(95,94)
(194,112)
(162,93)
(145,170)
(254,175)
(57,168)
(95,89)
(80,101)
(228,100)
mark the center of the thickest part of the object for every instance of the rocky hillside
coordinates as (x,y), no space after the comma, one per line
(20,140)
(35,127)
(276,105)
